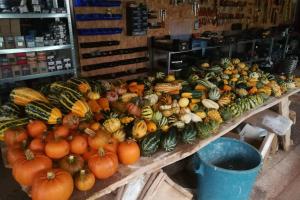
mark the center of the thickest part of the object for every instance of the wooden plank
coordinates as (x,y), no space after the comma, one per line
(266,145)
(284,110)
(112,70)
(160,159)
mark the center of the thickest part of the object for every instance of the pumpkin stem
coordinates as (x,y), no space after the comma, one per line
(29,154)
(71,159)
(90,132)
(101,152)
(50,175)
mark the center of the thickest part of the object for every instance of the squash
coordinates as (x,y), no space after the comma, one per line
(52,184)
(29,165)
(150,144)
(206,83)
(139,129)
(128,96)
(95,92)
(169,140)
(165,99)
(253,90)
(153,99)
(183,102)
(214,115)
(128,152)
(169,88)
(133,109)
(210,104)
(5,125)
(134,87)
(227,88)
(71,163)
(103,164)
(112,96)
(43,111)
(201,114)
(189,134)
(80,84)
(112,125)
(22,96)
(200,87)
(186,118)
(214,94)
(224,100)
(84,180)
(58,87)
(104,104)
(119,135)
(151,126)
(94,106)
(10,109)
(75,105)
(163,122)
(147,113)
(205,129)
(157,116)
(170,78)
(242,92)
(192,94)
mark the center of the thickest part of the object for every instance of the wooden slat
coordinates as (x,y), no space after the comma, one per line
(113,70)
(88,10)
(160,159)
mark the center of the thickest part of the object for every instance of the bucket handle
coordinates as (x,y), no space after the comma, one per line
(200,169)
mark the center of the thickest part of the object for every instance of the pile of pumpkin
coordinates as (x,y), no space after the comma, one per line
(71,132)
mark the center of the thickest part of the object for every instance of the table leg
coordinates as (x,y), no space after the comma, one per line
(284,110)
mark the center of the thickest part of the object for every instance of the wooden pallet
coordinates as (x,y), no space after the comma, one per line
(161,159)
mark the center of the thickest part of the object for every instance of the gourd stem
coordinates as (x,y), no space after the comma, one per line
(101,152)
(71,159)
(50,175)
(29,154)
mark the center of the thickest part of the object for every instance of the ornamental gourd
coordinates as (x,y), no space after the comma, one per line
(75,105)
(157,116)
(80,84)
(84,180)
(169,140)
(147,112)
(112,125)
(210,104)
(189,134)
(139,129)
(43,111)
(150,144)
(153,99)
(214,94)
(22,96)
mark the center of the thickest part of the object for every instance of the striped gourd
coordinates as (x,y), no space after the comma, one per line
(206,83)
(163,121)
(43,111)
(80,84)
(169,140)
(214,94)
(147,112)
(10,109)
(74,104)
(189,134)
(4,125)
(22,96)
(59,87)
(150,144)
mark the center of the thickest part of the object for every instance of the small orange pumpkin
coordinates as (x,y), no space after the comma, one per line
(85,180)
(37,144)
(151,126)
(94,106)
(36,128)
(104,104)
(15,136)
(57,148)
(129,152)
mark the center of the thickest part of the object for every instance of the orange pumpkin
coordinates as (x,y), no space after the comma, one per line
(94,106)
(57,148)
(15,136)
(13,154)
(95,126)
(85,180)
(129,152)
(36,128)
(89,152)
(37,144)
(104,104)
(61,131)
(111,145)
(99,139)
(72,163)
(78,144)
(70,120)
(52,184)
(49,137)
(26,167)
(103,164)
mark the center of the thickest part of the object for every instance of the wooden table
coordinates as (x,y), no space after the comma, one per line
(161,159)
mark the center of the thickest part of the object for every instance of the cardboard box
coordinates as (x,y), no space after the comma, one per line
(15,27)
(5,27)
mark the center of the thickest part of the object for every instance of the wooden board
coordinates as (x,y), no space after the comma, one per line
(160,159)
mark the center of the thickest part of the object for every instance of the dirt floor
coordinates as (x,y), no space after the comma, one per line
(279,179)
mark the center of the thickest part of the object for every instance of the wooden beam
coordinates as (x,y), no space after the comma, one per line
(284,110)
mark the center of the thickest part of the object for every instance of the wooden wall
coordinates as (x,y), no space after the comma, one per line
(180,20)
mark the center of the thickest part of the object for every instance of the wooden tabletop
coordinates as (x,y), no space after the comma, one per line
(161,159)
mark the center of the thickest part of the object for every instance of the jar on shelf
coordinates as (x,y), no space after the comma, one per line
(43,68)
(26,70)
(6,71)
(16,70)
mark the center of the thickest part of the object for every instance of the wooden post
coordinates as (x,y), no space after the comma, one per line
(284,110)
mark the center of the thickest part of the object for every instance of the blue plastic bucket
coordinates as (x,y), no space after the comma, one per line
(226,169)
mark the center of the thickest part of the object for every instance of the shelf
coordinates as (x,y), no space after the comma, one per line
(147,165)
(34,49)
(32,15)
(35,76)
